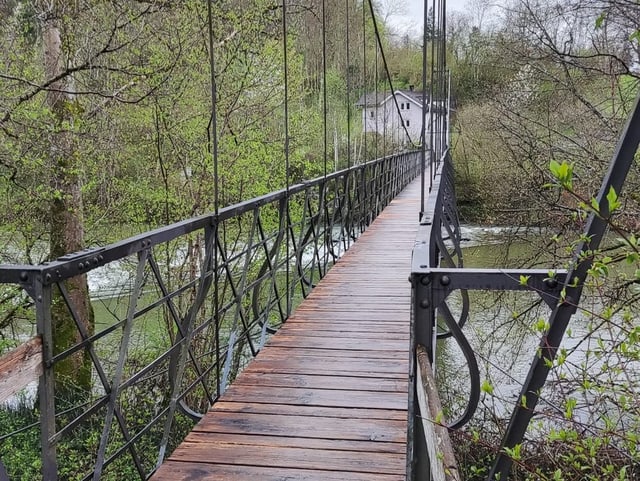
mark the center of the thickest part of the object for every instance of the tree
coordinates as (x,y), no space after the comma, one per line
(547,130)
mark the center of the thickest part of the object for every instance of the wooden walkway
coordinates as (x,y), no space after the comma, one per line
(326,399)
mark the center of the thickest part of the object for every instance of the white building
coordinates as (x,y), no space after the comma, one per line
(380,114)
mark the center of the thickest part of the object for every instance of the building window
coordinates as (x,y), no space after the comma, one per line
(408,105)
(371,115)
(407,123)
(402,106)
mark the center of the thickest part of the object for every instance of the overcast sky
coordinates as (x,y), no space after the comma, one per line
(410,21)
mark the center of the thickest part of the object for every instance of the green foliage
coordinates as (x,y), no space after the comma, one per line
(563,173)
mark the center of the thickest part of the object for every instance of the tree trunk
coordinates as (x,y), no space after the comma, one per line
(66,211)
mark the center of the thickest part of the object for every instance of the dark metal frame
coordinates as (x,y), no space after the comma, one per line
(432,283)
(437,271)
(248,247)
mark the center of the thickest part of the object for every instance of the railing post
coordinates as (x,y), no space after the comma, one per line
(46,385)
(422,333)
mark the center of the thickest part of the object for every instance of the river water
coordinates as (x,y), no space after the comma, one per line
(504,329)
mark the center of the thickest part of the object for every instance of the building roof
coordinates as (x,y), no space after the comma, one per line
(374,99)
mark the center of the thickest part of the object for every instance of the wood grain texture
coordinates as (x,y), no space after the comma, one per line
(326,398)
(20,367)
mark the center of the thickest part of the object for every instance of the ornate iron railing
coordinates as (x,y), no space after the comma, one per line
(438,271)
(198,299)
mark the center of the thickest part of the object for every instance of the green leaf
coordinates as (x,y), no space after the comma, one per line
(487,387)
(570,405)
(600,20)
(562,172)
(524,280)
(612,198)
(515,453)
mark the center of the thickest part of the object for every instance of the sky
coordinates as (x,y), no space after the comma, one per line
(410,20)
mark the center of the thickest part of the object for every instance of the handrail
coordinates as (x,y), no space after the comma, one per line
(166,351)
(438,270)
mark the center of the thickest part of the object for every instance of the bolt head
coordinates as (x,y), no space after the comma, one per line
(425,280)
(24,277)
(445,281)
(551,282)
(424,303)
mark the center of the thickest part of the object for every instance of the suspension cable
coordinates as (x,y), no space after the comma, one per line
(386,68)
(285,45)
(431,91)
(348,74)
(364,78)
(376,80)
(423,139)
(212,133)
(321,209)
(324,84)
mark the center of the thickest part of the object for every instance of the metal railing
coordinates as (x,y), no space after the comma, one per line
(438,271)
(198,300)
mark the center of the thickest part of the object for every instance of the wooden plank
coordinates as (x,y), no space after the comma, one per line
(309,411)
(337,314)
(345,383)
(20,367)
(358,326)
(183,471)
(284,457)
(365,335)
(298,442)
(298,426)
(278,352)
(360,367)
(340,343)
(442,460)
(317,397)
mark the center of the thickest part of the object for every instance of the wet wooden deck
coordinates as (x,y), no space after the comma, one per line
(326,399)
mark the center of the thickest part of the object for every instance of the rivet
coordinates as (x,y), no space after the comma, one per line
(58,275)
(551,282)
(424,303)
(39,298)
(24,277)
(80,266)
(100,258)
(95,261)
(425,280)
(445,281)
(47,278)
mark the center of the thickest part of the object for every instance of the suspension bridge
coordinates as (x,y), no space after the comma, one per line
(299,343)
